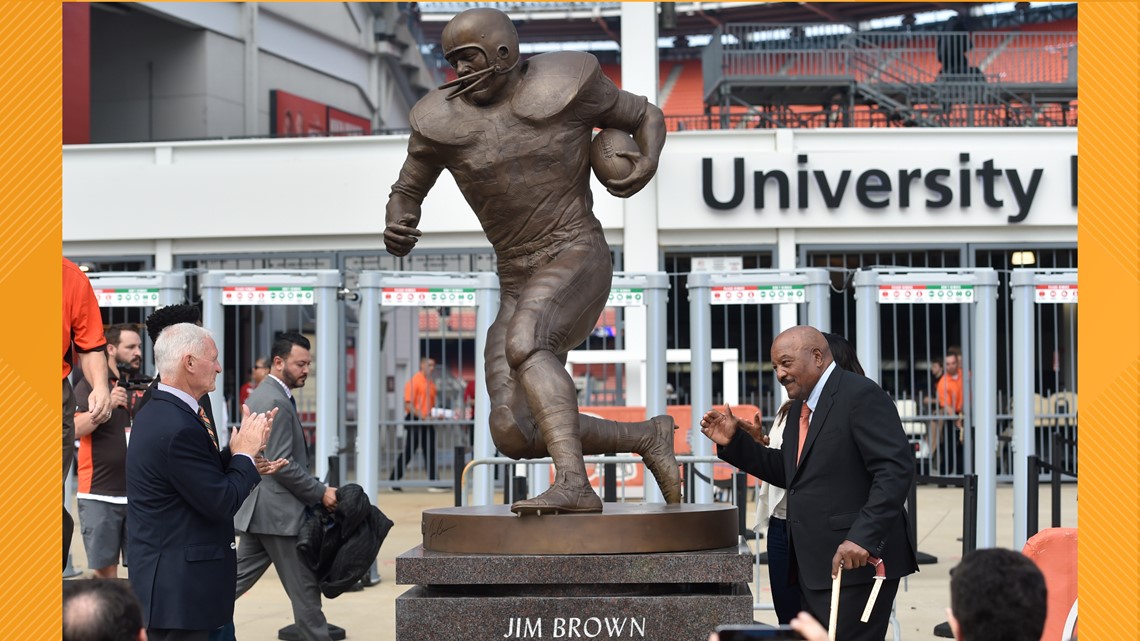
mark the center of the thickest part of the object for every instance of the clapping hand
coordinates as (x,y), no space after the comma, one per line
(254,432)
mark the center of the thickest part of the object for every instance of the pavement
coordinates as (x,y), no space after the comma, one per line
(369,614)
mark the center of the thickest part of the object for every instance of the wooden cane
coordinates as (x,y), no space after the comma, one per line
(880,576)
(833,620)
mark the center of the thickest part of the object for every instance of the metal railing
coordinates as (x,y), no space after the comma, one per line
(983,78)
(617,467)
(1055,466)
(780,52)
(422,453)
(958,112)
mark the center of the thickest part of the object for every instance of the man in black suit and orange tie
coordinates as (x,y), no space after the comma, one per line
(183,494)
(847,469)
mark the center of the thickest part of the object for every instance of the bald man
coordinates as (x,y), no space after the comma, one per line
(847,478)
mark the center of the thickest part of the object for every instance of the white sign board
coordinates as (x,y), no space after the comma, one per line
(427,297)
(127,297)
(626,297)
(1056,294)
(255,295)
(925,294)
(758,294)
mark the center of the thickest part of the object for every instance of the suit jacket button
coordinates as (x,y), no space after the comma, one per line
(233,545)
(792,491)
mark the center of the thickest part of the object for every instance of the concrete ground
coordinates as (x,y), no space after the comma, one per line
(369,615)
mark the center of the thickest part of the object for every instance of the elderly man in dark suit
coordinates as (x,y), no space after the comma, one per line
(847,468)
(182,494)
(270,519)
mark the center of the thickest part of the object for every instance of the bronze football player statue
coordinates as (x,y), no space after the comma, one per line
(516,137)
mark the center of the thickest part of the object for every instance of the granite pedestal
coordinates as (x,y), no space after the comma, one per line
(679,595)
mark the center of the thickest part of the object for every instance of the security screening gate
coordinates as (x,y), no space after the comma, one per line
(138,289)
(807,286)
(141,290)
(888,286)
(318,287)
(1029,288)
(379,289)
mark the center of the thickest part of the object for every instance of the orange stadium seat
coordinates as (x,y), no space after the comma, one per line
(1046,61)
(461,319)
(429,320)
(687,97)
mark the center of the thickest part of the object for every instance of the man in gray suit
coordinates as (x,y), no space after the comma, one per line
(270,518)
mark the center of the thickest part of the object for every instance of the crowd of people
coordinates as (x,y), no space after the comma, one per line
(166,502)
(838,512)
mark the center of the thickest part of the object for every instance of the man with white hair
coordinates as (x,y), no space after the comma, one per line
(183,493)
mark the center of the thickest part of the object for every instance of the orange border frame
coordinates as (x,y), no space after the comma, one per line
(1107,232)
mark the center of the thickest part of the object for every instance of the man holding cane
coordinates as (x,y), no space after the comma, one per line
(847,469)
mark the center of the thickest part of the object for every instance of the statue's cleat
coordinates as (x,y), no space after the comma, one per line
(561,498)
(660,459)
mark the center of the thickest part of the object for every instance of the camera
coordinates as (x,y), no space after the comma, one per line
(134,384)
(135,388)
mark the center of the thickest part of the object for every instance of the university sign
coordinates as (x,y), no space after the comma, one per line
(866,179)
(934,188)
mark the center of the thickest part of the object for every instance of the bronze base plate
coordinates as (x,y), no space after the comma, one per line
(621,528)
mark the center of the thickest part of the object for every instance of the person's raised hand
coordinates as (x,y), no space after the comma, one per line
(719,428)
(254,432)
(755,429)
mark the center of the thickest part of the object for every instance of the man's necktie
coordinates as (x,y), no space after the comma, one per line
(209,426)
(293,400)
(805,419)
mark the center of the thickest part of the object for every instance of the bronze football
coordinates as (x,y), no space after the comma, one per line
(605,162)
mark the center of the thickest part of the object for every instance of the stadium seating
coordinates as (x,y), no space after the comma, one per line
(1009,57)
(687,96)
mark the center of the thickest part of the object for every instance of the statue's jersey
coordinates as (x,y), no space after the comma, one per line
(522,164)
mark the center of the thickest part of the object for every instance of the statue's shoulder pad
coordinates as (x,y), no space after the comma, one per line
(433,115)
(552,82)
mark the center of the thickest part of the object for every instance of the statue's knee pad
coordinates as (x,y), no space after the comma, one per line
(508,435)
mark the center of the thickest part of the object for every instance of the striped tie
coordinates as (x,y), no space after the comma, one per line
(209,426)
